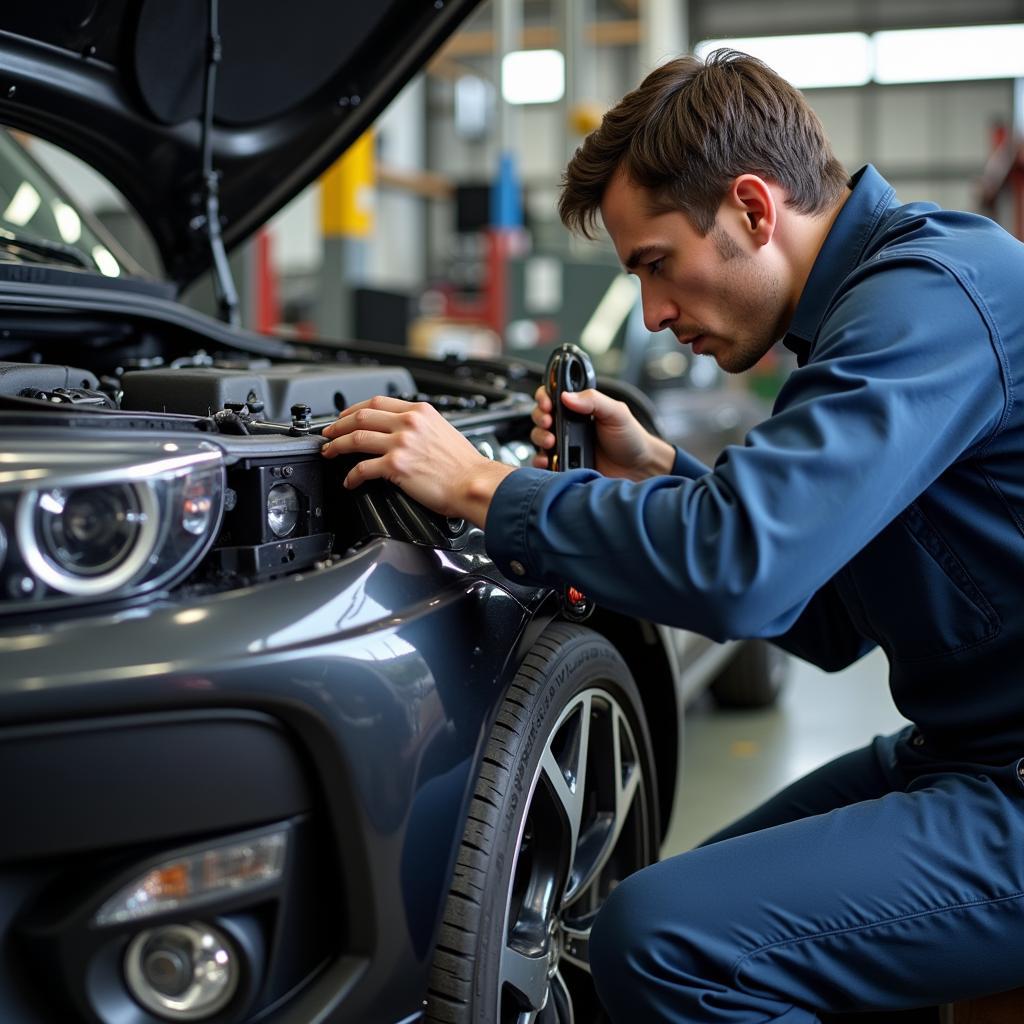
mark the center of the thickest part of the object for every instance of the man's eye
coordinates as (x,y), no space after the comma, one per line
(654,267)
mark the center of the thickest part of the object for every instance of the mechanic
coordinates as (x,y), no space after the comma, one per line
(882,503)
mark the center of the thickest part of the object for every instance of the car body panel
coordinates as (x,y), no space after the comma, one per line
(378,668)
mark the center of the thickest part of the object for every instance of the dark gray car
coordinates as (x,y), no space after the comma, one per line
(272,750)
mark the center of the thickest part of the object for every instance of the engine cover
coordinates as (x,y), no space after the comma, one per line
(202,390)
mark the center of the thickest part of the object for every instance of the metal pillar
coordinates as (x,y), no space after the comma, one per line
(508,36)
(665,31)
(574,16)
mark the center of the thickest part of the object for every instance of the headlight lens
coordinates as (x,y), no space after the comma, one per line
(282,509)
(93,536)
(91,522)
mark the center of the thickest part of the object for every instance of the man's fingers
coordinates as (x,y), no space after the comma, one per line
(379,403)
(366,469)
(595,402)
(542,438)
(542,398)
(364,418)
(541,418)
(540,461)
(369,442)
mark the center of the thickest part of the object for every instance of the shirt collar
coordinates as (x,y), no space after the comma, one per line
(841,252)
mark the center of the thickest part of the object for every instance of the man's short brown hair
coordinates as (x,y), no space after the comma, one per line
(694,125)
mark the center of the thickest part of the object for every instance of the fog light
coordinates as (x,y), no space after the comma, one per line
(282,509)
(182,971)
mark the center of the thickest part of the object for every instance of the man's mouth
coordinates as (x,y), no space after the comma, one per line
(696,340)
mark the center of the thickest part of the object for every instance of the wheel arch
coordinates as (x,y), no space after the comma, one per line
(653,667)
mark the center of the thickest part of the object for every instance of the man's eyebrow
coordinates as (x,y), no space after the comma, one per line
(637,255)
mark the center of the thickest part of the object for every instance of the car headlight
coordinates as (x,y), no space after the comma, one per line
(282,509)
(86,520)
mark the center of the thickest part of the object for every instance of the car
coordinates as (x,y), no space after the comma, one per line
(273,750)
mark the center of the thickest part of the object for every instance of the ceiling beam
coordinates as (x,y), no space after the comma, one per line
(480,43)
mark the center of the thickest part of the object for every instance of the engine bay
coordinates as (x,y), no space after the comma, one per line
(278,508)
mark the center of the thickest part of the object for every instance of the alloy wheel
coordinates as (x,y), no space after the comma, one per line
(586,828)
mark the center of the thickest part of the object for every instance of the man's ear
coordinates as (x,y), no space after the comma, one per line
(752,198)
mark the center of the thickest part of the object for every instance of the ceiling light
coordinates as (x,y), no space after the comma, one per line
(109,266)
(22,208)
(533,76)
(69,224)
(811,61)
(949,54)
(611,313)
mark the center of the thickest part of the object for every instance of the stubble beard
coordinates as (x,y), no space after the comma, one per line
(757,307)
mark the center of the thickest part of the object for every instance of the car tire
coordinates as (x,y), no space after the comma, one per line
(753,678)
(564,808)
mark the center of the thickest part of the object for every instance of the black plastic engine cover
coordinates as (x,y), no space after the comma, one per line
(15,377)
(202,390)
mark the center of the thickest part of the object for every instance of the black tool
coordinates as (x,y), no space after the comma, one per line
(570,369)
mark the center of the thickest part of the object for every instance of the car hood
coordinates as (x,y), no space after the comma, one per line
(119,83)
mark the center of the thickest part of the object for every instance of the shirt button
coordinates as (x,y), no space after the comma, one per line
(517,567)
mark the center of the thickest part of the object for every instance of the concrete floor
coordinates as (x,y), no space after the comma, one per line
(734,760)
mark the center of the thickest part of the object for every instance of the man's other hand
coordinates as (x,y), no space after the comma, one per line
(416,448)
(624,448)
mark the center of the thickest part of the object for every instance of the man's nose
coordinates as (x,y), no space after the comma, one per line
(659,312)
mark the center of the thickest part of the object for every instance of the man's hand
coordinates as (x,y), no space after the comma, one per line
(624,448)
(417,449)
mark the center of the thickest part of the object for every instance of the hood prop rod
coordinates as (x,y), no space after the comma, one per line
(223,284)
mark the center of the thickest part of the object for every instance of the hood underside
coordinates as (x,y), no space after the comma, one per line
(120,84)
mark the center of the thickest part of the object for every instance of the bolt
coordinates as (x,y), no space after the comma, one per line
(11,91)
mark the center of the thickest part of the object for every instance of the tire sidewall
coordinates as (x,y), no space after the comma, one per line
(585,660)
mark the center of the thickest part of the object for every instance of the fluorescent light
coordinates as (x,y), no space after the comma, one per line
(949,54)
(533,76)
(69,224)
(109,266)
(812,61)
(611,313)
(22,208)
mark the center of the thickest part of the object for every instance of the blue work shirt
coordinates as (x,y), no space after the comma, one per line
(881,503)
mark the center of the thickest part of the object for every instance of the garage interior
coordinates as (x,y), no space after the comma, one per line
(438,232)
(425,175)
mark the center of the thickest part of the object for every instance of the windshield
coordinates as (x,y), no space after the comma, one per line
(35,211)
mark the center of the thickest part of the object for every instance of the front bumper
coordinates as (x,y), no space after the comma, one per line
(353,699)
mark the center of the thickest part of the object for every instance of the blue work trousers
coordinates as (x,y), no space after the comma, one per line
(887,879)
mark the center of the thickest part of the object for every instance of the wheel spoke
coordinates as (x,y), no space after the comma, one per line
(568,781)
(576,947)
(627,778)
(563,999)
(527,975)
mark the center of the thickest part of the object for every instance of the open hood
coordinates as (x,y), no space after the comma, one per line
(120,83)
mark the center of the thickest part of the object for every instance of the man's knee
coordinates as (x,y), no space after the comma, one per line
(619,931)
(636,937)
